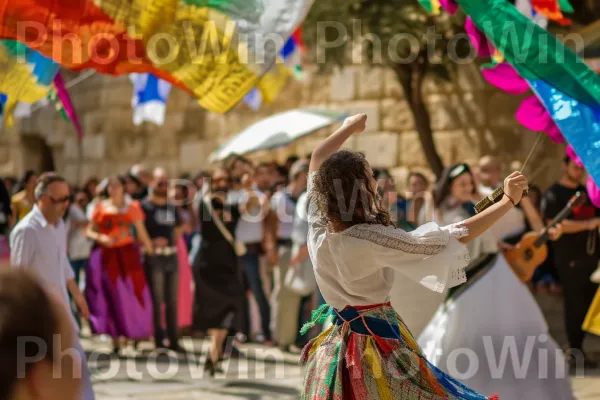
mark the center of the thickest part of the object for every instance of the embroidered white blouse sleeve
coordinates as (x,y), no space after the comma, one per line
(431,255)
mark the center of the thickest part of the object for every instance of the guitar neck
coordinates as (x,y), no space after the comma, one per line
(564,213)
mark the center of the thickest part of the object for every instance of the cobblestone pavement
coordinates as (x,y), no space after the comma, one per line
(259,374)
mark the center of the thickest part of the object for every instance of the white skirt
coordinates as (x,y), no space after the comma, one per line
(494,339)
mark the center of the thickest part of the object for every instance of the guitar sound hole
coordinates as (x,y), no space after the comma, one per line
(528,254)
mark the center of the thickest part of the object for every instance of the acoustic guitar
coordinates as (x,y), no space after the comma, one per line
(532,250)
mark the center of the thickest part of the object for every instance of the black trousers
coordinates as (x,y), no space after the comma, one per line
(578,293)
(162,273)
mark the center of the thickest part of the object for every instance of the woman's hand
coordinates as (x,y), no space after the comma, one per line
(356,123)
(514,187)
(106,240)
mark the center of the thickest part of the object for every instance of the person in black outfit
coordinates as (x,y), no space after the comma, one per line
(575,254)
(163,224)
(219,294)
(5,224)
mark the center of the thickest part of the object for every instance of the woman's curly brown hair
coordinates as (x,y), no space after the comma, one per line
(343,194)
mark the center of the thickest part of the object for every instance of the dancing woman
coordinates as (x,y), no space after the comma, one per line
(368,353)
(116,288)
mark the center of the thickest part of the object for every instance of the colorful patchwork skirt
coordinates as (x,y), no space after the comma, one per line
(369,353)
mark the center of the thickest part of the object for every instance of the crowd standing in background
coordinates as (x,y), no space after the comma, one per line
(224,253)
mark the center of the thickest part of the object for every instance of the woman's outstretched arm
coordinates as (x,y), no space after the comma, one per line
(514,186)
(352,125)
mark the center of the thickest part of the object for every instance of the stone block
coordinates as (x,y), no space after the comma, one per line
(370,107)
(93,122)
(370,83)
(501,108)
(161,146)
(381,149)
(216,125)
(396,115)
(71,149)
(471,110)
(469,77)
(116,95)
(410,151)
(71,173)
(174,123)
(125,147)
(193,155)
(98,169)
(93,147)
(343,84)
(321,89)
(391,85)
(442,111)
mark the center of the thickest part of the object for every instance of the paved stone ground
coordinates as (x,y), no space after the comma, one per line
(260,374)
(263,374)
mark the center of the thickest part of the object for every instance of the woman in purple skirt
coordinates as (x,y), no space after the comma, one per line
(116,288)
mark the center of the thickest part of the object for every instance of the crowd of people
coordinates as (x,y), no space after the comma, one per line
(226,254)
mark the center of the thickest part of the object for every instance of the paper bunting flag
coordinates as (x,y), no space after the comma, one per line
(66,105)
(217,50)
(26,76)
(149,100)
(566,104)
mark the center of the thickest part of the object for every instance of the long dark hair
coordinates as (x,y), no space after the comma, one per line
(342,181)
(443,187)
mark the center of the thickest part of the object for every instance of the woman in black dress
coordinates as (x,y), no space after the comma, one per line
(219,293)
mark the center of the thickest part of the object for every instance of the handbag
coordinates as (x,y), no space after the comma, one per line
(301,279)
(238,247)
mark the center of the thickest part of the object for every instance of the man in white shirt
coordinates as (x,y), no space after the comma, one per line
(39,244)
(285,304)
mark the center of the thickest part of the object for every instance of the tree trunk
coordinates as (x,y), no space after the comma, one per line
(411,77)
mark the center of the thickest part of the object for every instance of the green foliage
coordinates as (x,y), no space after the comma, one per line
(383,32)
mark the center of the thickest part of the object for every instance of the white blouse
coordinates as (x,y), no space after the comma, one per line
(357,266)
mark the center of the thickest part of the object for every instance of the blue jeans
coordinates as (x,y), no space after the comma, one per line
(251,265)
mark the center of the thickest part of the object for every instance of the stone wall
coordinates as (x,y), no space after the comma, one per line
(470,118)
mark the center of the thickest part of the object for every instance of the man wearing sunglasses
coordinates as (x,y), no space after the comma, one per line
(39,244)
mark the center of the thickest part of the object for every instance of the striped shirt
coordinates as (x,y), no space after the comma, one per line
(41,247)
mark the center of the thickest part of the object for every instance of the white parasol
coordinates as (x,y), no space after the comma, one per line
(277,131)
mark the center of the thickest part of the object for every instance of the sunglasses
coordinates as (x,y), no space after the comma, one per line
(60,200)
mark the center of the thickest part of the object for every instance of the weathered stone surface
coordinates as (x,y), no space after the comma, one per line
(116,95)
(410,152)
(71,149)
(470,110)
(98,169)
(370,107)
(396,115)
(93,147)
(174,123)
(193,155)
(370,83)
(501,108)
(122,147)
(442,110)
(343,84)
(70,172)
(381,149)
(469,78)
(321,89)
(391,86)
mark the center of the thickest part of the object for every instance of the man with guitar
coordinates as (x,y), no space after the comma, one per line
(576,253)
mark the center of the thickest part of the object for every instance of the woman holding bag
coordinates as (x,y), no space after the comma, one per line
(219,293)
